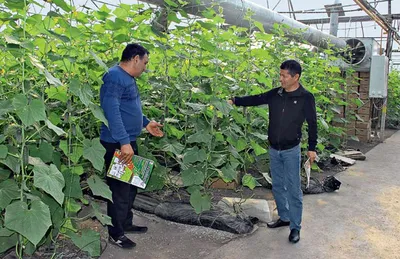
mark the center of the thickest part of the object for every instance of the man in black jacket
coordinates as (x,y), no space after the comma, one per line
(289,106)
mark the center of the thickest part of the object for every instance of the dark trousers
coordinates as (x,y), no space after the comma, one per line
(123,195)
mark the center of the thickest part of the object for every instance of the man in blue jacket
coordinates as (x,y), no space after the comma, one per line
(120,101)
(289,106)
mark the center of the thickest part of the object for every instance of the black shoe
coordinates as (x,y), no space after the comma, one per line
(278,223)
(294,236)
(122,242)
(135,229)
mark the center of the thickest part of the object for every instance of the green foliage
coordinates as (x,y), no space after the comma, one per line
(200,202)
(249,181)
(31,222)
(88,241)
(50,75)
(393,103)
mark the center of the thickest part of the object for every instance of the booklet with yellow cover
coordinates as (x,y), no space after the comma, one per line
(136,173)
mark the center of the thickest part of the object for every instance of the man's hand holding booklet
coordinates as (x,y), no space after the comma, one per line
(136,172)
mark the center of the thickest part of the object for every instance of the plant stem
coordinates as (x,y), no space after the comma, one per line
(22,155)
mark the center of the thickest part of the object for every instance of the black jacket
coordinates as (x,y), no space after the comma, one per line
(287,113)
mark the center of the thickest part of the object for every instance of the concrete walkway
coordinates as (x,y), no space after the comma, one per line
(361,220)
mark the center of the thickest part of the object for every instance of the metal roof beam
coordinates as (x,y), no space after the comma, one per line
(348,19)
(378,18)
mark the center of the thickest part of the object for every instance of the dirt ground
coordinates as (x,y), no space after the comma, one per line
(367,146)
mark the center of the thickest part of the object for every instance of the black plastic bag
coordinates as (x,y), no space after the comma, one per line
(329,184)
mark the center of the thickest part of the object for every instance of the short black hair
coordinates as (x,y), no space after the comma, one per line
(132,50)
(292,66)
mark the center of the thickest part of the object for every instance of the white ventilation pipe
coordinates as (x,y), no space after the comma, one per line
(234,12)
